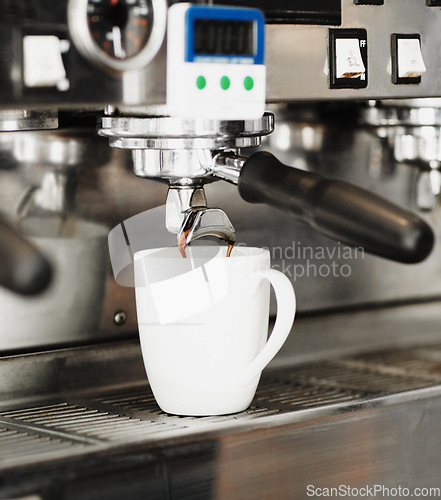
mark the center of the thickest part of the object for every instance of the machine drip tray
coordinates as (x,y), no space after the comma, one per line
(122,428)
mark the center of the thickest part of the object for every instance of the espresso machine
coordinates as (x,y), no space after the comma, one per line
(309,127)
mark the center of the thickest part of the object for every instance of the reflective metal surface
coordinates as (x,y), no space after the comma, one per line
(354,396)
(321,423)
(102,189)
(183,153)
(167,132)
(14,120)
(295,73)
(411,130)
(188,216)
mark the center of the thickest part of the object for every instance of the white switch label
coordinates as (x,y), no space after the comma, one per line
(410,58)
(349,63)
(42,62)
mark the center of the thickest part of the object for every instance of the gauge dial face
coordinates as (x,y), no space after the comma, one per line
(120,28)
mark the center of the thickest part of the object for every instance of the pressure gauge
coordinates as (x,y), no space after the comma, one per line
(118,35)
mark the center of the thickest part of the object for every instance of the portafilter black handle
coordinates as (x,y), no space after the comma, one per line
(23,269)
(337,209)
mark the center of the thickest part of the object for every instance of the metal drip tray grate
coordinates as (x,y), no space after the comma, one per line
(78,425)
(286,396)
(15,443)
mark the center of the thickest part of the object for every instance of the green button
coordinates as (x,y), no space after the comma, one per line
(201,82)
(225,82)
(248,83)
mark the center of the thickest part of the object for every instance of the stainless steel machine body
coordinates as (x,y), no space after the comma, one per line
(293,73)
(353,398)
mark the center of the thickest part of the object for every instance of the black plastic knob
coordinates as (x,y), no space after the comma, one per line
(337,209)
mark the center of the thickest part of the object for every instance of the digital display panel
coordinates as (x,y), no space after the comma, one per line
(227,37)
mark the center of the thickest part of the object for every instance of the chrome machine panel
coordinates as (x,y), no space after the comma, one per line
(91,79)
(354,396)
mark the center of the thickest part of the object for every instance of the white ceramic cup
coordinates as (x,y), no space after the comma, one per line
(203,325)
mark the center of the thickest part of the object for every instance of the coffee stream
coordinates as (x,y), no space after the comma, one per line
(182,244)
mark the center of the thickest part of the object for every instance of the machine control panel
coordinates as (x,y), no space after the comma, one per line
(215,62)
(76,53)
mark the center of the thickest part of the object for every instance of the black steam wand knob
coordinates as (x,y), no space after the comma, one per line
(23,269)
(337,209)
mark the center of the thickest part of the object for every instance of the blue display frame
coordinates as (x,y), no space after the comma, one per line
(195,12)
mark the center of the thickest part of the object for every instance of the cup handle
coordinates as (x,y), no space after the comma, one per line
(286,310)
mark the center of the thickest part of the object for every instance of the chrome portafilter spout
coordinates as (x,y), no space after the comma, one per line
(188,216)
(182,153)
